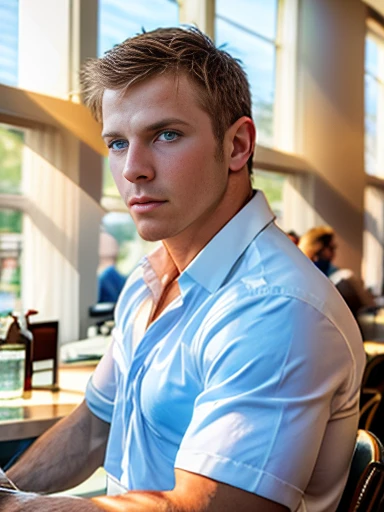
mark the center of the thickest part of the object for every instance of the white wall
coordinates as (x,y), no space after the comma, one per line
(331,117)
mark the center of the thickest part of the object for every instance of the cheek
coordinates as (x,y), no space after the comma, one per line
(116,168)
(115,163)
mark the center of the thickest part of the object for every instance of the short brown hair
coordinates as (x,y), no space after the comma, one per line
(223,86)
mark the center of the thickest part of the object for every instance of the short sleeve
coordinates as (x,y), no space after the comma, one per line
(260,420)
(101,388)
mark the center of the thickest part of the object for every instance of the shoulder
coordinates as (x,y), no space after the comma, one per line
(278,325)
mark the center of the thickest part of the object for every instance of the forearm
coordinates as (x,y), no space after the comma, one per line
(196,500)
(64,456)
(34,503)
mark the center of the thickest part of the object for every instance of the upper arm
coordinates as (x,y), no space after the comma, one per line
(101,388)
(260,420)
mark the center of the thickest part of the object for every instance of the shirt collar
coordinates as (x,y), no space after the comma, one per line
(213,263)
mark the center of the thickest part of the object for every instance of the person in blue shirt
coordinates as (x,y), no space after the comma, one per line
(109,280)
(232,381)
(109,284)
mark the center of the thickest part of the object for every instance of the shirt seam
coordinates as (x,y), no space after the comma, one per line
(238,463)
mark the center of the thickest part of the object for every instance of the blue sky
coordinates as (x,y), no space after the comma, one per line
(8,41)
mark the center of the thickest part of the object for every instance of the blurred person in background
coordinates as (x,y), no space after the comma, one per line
(292,235)
(319,244)
(109,280)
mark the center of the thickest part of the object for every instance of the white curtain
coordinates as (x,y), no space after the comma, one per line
(51,275)
(373,254)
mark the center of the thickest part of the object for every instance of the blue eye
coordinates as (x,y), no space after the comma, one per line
(168,136)
(118,145)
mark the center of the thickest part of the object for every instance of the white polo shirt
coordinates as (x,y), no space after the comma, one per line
(250,376)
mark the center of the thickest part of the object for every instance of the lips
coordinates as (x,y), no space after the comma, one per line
(144,204)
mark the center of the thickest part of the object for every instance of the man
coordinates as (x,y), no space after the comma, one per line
(319,245)
(233,379)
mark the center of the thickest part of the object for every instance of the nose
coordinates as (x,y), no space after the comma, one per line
(138,165)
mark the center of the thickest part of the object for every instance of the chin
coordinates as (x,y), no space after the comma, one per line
(156,232)
(150,236)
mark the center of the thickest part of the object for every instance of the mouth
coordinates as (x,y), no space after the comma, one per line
(144,204)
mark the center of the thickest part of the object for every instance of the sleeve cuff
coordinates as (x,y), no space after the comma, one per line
(99,405)
(241,476)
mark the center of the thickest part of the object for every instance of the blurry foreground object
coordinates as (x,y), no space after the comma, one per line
(364,491)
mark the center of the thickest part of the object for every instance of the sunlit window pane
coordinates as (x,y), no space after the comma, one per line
(272,184)
(257,15)
(374,105)
(371,56)
(247,31)
(9,30)
(371,100)
(10,256)
(120,19)
(258,60)
(11,151)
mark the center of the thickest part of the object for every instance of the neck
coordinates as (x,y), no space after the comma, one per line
(183,249)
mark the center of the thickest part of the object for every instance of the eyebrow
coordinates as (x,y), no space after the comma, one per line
(150,128)
(110,135)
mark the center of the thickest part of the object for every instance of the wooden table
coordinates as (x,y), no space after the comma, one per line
(28,418)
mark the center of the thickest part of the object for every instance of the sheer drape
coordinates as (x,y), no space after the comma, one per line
(52,243)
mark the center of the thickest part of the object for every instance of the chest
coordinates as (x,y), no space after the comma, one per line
(159,380)
(168,389)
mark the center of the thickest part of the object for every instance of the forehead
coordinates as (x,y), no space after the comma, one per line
(165,92)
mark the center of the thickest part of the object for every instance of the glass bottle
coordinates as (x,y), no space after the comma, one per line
(12,359)
(19,334)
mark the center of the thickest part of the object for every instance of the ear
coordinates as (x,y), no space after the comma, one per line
(242,135)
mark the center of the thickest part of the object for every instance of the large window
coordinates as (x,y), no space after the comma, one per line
(374,101)
(11,240)
(247,29)
(374,157)
(120,19)
(9,41)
